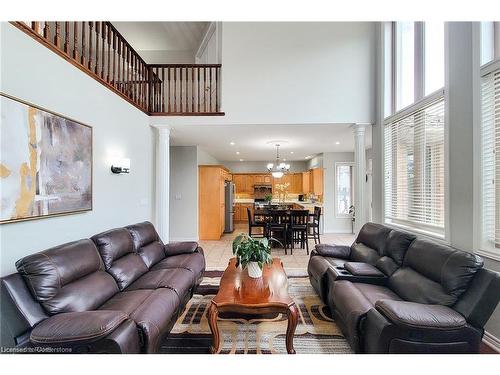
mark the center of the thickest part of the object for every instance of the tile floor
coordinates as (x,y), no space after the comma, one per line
(219,252)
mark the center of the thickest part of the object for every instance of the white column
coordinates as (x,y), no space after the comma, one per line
(162,193)
(359,175)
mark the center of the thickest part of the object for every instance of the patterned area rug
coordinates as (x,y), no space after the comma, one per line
(316,331)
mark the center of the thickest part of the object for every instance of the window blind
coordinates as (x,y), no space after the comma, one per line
(414,168)
(490,159)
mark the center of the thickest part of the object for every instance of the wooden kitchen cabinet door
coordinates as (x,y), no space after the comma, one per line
(297,183)
(267,179)
(306,186)
(317,177)
(249,182)
(239,184)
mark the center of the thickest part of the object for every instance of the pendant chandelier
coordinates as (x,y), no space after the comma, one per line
(279,168)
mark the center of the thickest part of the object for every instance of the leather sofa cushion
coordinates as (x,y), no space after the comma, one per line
(451,268)
(374,236)
(151,310)
(120,259)
(374,293)
(194,262)
(335,251)
(413,286)
(397,244)
(415,315)
(387,265)
(77,327)
(180,280)
(362,253)
(362,269)
(67,278)
(152,253)
(113,244)
(176,248)
(143,233)
(147,243)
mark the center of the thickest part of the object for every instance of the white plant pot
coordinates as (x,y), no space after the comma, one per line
(254,270)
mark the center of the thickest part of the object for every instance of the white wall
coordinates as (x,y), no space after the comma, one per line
(183,193)
(260,166)
(167,57)
(33,73)
(295,72)
(204,158)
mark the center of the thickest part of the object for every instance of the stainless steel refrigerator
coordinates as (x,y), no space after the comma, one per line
(229,190)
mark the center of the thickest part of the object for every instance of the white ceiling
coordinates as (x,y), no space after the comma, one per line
(252,140)
(163,36)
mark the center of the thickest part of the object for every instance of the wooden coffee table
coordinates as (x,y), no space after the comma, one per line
(239,293)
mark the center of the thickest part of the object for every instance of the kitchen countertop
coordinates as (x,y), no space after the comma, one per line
(305,204)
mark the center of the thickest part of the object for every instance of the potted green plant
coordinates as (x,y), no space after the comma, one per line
(268,198)
(252,254)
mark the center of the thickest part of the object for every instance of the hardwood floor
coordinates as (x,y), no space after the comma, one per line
(218,252)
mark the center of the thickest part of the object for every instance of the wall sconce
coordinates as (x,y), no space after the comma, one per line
(121,166)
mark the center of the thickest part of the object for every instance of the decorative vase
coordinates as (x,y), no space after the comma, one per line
(254,270)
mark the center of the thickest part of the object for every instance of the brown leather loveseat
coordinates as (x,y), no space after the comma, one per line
(119,292)
(391,292)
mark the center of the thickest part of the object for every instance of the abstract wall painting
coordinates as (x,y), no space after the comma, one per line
(45,163)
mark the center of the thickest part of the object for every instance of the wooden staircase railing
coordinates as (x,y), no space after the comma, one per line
(98,49)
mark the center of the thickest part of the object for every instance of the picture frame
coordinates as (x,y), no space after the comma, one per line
(53,174)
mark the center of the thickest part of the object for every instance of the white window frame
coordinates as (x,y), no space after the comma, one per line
(481,245)
(391,115)
(338,164)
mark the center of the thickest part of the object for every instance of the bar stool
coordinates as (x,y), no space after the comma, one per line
(252,224)
(314,225)
(299,228)
(278,225)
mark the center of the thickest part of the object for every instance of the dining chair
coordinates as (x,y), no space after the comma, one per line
(299,229)
(277,226)
(314,225)
(253,224)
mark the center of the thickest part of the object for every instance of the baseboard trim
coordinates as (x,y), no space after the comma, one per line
(336,232)
(183,239)
(492,341)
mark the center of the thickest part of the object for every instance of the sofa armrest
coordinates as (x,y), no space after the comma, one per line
(411,315)
(77,327)
(333,251)
(176,248)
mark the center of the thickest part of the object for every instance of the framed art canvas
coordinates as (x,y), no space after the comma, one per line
(45,163)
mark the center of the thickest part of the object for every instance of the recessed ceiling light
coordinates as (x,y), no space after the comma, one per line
(307,157)
(284,159)
(291,152)
(231,143)
(242,160)
(337,143)
(237,152)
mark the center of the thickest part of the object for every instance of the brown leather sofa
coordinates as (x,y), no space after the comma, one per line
(119,292)
(391,292)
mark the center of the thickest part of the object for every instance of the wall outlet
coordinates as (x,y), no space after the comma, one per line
(178,197)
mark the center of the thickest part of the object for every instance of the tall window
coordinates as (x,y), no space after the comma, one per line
(343,189)
(490,136)
(414,188)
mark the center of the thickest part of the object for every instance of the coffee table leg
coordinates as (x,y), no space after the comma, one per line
(213,314)
(293,317)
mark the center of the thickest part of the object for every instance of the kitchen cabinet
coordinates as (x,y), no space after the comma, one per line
(294,179)
(211,213)
(240,212)
(306,185)
(239,183)
(317,181)
(249,182)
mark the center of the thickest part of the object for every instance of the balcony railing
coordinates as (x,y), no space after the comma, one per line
(98,49)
